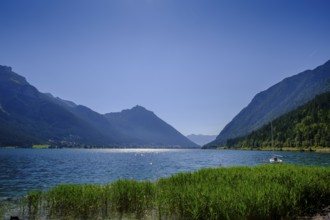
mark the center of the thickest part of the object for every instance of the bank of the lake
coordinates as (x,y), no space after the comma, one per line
(260,192)
(290,149)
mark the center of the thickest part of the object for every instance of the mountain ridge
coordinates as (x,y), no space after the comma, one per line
(275,101)
(139,123)
(28,117)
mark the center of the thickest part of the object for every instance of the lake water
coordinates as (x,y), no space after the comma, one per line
(22,170)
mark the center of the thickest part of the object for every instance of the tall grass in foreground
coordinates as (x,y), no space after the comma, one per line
(261,192)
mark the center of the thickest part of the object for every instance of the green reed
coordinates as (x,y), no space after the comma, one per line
(261,192)
(33,203)
(75,201)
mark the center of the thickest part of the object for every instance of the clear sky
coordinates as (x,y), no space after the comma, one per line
(194,63)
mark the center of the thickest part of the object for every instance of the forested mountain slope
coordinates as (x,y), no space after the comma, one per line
(307,126)
(279,99)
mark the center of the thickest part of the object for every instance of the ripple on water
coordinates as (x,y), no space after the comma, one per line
(22,170)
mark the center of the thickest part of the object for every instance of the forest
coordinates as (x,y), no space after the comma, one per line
(307,126)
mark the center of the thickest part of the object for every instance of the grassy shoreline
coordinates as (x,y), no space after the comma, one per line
(262,192)
(35,146)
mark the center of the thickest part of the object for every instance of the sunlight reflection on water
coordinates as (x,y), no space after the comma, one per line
(138,150)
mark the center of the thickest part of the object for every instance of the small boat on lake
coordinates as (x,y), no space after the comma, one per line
(274,158)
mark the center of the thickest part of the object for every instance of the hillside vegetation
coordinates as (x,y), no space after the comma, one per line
(307,126)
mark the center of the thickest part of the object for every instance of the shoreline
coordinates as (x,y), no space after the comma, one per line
(221,191)
(290,149)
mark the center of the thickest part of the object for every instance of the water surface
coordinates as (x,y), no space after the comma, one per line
(22,170)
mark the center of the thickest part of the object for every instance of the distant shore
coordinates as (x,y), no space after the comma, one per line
(82,146)
(295,149)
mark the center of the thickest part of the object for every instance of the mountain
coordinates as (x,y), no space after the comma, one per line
(34,117)
(201,139)
(143,128)
(279,99)
(29,117)
(307,126)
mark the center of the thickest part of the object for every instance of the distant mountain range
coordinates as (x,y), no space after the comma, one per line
(279,99)
(29,117)
(201,139)
(138,125)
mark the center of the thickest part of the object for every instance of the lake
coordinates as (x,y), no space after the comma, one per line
(22,170)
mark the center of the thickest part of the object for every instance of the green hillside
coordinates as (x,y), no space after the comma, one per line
(307,126)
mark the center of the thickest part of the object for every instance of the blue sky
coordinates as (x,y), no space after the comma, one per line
(195,63)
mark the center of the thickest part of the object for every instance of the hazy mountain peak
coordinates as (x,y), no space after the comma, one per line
(139,108)
(137,112)
(5,68)
(7,75)
(144,128)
